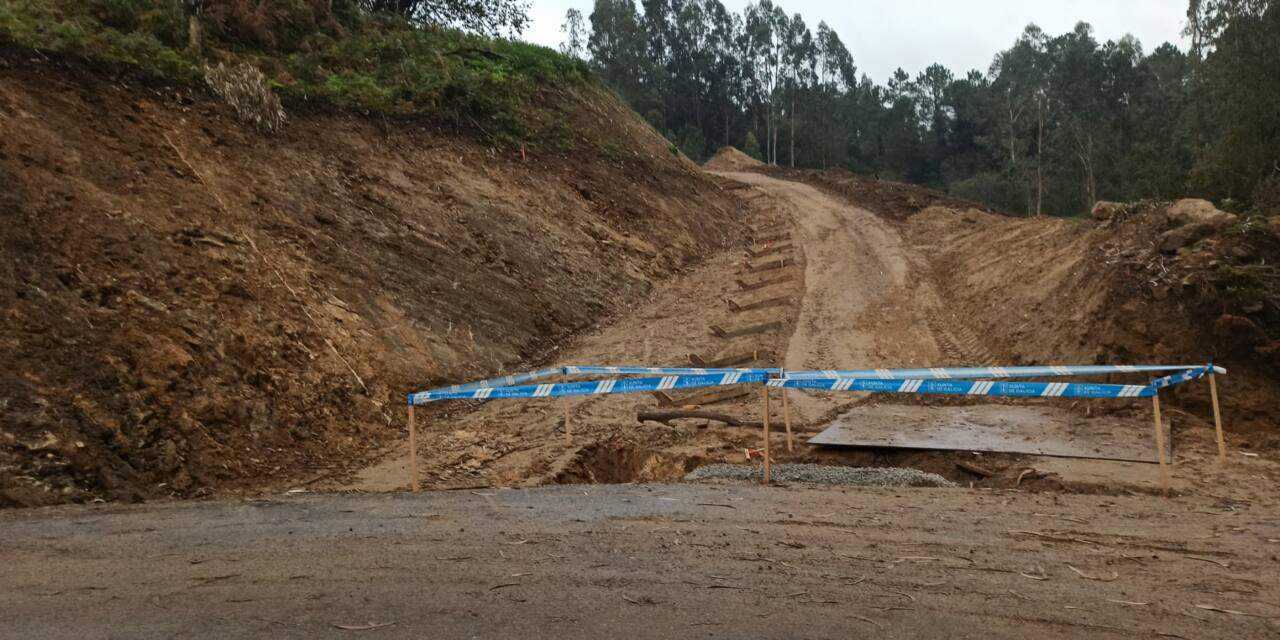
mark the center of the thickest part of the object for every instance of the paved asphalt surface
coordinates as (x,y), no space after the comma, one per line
(652,561)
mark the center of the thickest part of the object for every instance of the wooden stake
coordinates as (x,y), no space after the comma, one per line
(1217,419)
(568,430)
(786,419)
(1164,469)
(765,418)
(413,453)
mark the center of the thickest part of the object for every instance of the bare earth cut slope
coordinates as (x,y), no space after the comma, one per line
(189,304)
(1155,282)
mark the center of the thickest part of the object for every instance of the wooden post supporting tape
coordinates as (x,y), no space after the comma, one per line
(413,453)
(786,419)
(1164,469)
(765,419)
(1217,418)
(568,430)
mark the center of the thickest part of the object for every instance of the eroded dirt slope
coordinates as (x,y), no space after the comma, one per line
(1042,290)
(1143,285)
(188,304)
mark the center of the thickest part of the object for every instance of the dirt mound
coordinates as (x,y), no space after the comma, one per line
(192,306)
(730,159)
(1120,291)
(895,200)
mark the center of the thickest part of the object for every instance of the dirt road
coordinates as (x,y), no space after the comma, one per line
(651,561)
(866,297)
(663,560)
(863,304)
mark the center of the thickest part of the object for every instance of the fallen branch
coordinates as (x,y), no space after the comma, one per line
(975,469)
(1114,575)
(665,417)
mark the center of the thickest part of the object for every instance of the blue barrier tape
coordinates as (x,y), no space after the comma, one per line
(969,387)
(502,386)
(665,371)
(991,372)
(593,387)
(505,381)
(1185,376)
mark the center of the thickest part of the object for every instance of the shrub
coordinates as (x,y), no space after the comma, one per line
(246,89)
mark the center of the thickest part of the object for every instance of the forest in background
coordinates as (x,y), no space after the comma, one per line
(1056,123)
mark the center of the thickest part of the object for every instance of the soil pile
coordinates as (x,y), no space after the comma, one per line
(730,159)
(895,200)
(190,305)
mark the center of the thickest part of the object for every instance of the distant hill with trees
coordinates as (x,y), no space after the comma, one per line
(1054,124)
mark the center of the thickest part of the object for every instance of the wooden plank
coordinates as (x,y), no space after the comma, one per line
(765,419)
(568,428)
(769,250)
(1164,465)
(771,265)
(731,360)
(755,286)
(786,418)
(664,400)
(773,237)
(768,227)
(746,331)
(413,453)
(1217,419)
(781,301)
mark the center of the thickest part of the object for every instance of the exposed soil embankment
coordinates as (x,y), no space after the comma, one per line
(188,304)
(1076,290)
(1150,282)
(896,200)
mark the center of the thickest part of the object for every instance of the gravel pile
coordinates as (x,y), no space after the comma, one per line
(820,474)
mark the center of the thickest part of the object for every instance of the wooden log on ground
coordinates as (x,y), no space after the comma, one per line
(731,360)
(782,301)
(664,400)
(666,417)
(755,286)
(771,237)
(768,227)
(778,248)
(771,265)
(975,469)
(746,331)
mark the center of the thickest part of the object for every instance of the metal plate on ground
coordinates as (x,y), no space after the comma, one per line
(1046,431)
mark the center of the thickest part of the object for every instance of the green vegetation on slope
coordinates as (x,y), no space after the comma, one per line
(332,52)
(1055,123)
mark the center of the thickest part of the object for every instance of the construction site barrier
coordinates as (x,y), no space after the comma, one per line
(970,388)
(596,387)
(575,370)
(968,381)
(995,372)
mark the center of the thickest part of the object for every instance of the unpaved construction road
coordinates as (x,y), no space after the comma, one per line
(681,560)
(647,561)
(863,297)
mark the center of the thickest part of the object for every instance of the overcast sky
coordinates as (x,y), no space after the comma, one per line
(883,35)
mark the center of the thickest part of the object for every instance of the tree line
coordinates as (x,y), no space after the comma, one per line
(1055,123)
